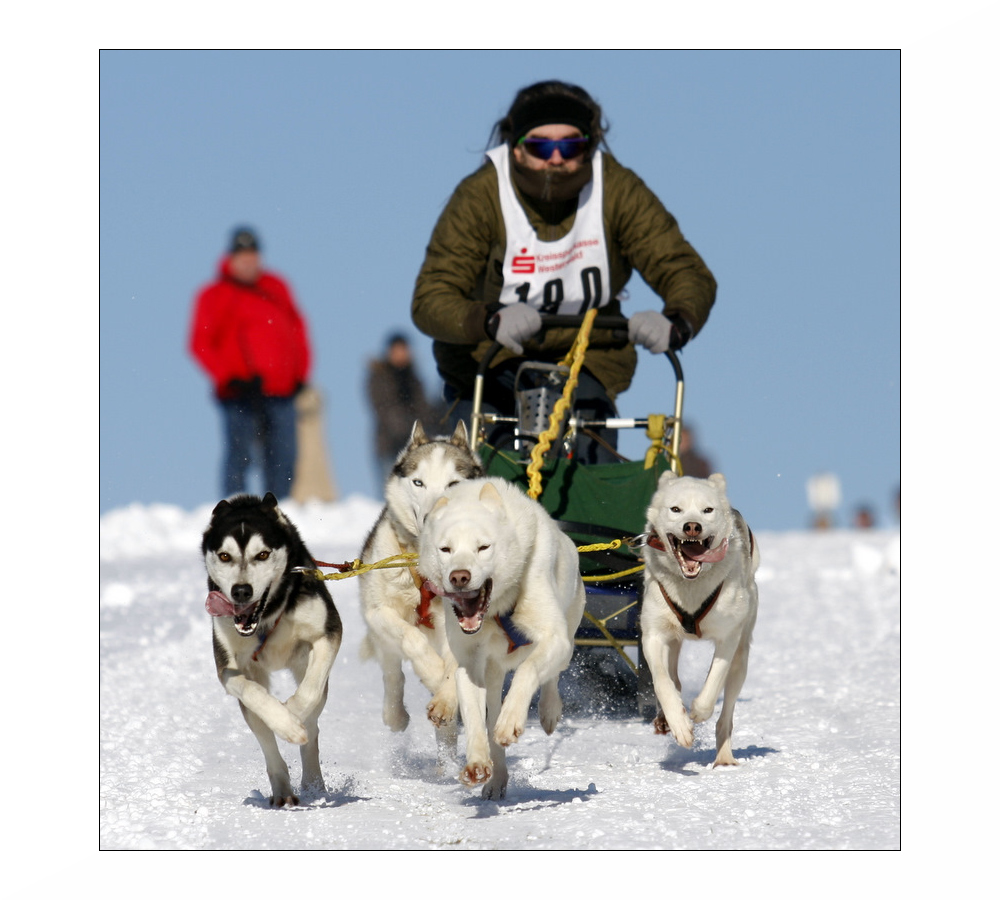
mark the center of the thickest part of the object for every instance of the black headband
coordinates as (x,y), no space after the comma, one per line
(550,110)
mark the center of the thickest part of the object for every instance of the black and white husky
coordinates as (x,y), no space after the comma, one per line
(268,617)
(404,622)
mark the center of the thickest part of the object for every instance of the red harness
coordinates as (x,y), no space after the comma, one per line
(424,606)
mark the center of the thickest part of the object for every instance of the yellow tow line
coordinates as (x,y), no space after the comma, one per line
(405,560)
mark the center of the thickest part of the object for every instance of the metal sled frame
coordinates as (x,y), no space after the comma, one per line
(607,606)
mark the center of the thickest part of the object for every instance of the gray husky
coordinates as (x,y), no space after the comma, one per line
(404,621)
(268,617)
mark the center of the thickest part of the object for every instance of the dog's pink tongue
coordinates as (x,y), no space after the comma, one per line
(218,604)
(707,556)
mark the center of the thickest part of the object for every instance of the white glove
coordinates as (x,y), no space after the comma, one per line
(516,323)
(651,329)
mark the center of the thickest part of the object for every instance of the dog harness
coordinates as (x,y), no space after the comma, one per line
(262,638)
(424,606)
(690,622)
(424,618)
(515,637)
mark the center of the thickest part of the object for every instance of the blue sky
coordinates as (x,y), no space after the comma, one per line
(783,169)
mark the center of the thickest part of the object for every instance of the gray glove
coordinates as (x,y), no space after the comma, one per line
(650,329)
(516,323)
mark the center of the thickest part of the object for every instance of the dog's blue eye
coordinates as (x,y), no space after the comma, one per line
(417,482)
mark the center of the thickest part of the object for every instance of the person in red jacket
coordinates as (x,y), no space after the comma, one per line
(249,337)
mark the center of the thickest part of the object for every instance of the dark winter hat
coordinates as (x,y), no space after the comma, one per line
(244,239)
(550,109)
(396,338)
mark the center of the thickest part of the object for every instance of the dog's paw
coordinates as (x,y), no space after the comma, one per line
(396,717)
(550,708)
(442,709)
(679,727)
(507,731)
(496,789)
(701,710)
(290,728)
(475,773)
(287,800)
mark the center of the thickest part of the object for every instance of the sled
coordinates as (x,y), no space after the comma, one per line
(601,507)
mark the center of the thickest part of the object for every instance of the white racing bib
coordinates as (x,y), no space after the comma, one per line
(563,277)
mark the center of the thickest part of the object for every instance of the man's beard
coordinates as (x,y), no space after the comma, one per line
(551,185)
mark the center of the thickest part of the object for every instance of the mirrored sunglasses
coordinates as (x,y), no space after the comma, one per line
(543,148)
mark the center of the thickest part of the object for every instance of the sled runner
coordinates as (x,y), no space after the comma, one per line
(602,507)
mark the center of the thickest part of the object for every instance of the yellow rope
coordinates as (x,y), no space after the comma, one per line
(576,354)
(404,560)
(399,561)
(615,575)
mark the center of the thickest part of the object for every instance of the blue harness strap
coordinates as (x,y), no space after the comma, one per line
(515,637)
(262,638)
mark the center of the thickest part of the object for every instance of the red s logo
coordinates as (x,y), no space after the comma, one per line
(523,265)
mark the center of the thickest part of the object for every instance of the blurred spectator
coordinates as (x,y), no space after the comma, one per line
(692,462)
(864,517)
(823,492)
(249,337)
(397,399)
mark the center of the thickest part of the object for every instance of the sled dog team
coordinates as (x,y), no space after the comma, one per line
(497,589)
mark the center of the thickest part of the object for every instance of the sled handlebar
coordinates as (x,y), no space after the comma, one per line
(618,325)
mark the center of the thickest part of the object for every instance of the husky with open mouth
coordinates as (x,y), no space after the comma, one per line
(404,620)
(699,585)
(266,617)
(513,598)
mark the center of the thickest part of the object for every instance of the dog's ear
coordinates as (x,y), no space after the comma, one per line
(666,478)
(490,495)
(442,501)
(220,508)
(418,436)
(270,500)
(718,480)
(460,436)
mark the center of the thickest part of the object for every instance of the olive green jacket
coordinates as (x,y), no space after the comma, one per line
(459,284)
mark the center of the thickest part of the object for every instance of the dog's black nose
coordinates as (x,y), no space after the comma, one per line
(460,578)
(691,529)
(241,594)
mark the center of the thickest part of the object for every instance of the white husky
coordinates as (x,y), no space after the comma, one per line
(700,564)
(403,621)
(511,581)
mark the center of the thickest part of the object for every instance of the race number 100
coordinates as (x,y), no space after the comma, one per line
(554,298)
